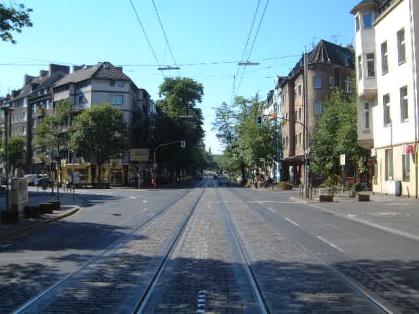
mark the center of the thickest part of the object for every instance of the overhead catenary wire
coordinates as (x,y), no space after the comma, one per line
(165,35)
(244,51)
(253,45)
(145,34)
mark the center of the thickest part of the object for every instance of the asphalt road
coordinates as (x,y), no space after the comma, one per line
(207,249)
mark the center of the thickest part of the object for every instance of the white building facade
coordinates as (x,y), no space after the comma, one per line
(386,56)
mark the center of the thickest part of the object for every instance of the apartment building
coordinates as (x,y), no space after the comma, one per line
(83,87)
(328,66)
(386,53)
(29,103)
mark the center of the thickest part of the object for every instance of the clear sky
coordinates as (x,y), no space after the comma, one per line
(90,31)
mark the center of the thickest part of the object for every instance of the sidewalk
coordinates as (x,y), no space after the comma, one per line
(397,215)
(69,206)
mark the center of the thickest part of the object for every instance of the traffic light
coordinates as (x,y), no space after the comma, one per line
(182,144)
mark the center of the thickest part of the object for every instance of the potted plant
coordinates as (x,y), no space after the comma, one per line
(328,188)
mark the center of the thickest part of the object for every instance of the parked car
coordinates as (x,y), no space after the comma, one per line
(223,180)
(43,182)
(31,178)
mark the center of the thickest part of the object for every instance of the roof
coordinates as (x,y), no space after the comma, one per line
(324,53)
(378,4)
(102,70)
(327,52)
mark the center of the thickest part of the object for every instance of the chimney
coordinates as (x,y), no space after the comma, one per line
(43,73)
(77,67)
(54,68)
(27,79)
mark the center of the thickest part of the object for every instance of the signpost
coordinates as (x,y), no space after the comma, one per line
(342,163)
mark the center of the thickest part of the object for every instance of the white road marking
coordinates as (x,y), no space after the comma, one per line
(271,210)
(395,204)
(145,209)
(132,197)
(275,202)
(293,222)
(145,201)
(331,244)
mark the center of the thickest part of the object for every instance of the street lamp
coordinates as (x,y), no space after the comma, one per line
(7,110)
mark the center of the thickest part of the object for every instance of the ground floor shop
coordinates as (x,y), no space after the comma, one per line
(396,170)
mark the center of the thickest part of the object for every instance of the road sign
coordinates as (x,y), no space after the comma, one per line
(139,154)
(342,159)
(182,144)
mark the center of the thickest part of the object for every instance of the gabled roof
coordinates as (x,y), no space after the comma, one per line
(327,52)
(102,70)
(324,53)
(377,4)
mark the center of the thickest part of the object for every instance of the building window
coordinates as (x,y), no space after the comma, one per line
(370,65)
(120,83)
(366,116)
(357,23)
(386,108)
(112,83)
(389,164)
(318,108)
(47,104)
(406,167)
(404,105)
(299,113)
(401,46)
(317,82)
(348,86)
(116,100)
(360,67)
(368,20)
(384,58)
(332,82)
(300,138)
(299,90)
(82,99)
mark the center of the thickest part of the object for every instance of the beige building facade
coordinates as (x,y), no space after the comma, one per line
(386,50)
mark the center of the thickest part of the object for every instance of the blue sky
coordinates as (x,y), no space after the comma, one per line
(90,31)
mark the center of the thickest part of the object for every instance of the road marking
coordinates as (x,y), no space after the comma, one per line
(293,222)
(132,197)
(395,204)
(331,244)
(271,210)
(145,209)
(144,201)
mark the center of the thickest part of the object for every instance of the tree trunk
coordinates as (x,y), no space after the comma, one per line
(99,167)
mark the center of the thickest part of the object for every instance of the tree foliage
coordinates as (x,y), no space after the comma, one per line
(336,134)
(178,118)
(99,132)
(249,140)
(16,149)
(13,19)
(51,131)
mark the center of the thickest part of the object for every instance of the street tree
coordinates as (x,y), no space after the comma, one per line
(51,132)
(336,134)
(100,133)
(12,19)
(16,150)
(178,118)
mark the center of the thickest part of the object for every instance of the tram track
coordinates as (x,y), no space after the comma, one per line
(78,274)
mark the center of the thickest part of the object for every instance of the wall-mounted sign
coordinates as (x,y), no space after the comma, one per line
(139,154)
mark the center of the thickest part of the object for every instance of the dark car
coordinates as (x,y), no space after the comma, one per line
(43,182)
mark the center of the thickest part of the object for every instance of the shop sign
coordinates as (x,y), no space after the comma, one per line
(116,162)
(139,154)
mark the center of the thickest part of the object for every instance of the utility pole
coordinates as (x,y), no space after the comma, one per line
(306,133)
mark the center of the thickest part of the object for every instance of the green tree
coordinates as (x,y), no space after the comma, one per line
(52,131)
(179,118)
(249,139)
(12,19)
(99,132)
(16,148)
(335,134)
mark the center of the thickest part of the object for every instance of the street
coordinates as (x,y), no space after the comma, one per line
(207,249)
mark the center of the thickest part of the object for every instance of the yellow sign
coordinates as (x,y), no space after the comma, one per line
(139,154)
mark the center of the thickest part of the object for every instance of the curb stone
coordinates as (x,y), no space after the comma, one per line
(397,232)
(19,230)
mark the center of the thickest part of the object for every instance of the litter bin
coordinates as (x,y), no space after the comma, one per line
(398,188)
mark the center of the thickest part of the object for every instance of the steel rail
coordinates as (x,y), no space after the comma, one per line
(263,305)
(142,303)
(111,248)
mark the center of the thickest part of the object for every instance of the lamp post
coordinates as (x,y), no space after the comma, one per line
(7,110)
